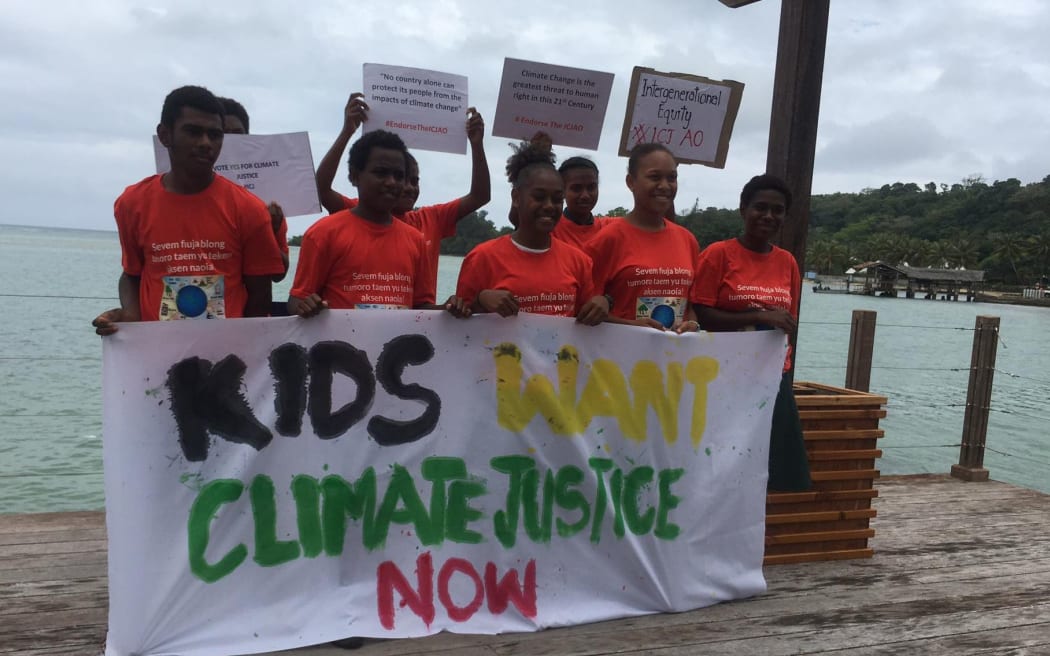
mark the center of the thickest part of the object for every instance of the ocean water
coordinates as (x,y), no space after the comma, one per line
(53,283)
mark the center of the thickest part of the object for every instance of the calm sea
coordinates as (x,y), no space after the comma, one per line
(55,281)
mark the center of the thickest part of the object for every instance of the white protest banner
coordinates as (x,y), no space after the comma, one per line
(567,103)
(427,109)
(277,168)
(274,483)
(693,116)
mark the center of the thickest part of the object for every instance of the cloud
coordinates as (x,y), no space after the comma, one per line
(936,89)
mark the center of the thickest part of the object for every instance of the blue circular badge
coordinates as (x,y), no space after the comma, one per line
(191,301)
(664,314)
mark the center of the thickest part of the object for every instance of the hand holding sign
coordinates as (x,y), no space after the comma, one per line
(423,107)
(568,103)
(356,112)
(475,126)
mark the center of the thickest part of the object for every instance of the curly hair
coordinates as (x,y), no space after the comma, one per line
(362,148)
(530,156)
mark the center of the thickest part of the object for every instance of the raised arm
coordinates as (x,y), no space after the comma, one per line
(480,185)
(355,113)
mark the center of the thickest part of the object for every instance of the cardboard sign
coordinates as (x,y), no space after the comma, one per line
(567,103)
(277,168)
(693,116)
(428,109)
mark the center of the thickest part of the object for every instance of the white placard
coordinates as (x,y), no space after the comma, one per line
(567,103)
(428,109)
(277,168)
(693,116)
(274,483)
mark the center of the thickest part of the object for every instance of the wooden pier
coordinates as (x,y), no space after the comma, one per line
(959,568)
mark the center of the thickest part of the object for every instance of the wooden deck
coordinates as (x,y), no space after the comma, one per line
(959,568)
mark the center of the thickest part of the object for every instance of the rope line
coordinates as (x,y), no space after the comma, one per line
(81,298)
(44,474)
(1014,455)
(50,359)
(1034,380)
(55,414)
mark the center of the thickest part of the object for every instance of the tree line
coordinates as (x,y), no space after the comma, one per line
(1002,227)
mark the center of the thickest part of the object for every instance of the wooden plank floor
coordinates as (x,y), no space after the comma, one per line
(959,568)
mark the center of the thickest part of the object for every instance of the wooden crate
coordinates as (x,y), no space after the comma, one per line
(831,521)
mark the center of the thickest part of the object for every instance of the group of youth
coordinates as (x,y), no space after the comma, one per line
(190,228)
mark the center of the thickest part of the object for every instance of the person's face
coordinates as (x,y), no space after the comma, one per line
(655,183)
(764,215)
(233,125)
(581,191)
(538,203)
(382,181)
(411,191)
(193,142)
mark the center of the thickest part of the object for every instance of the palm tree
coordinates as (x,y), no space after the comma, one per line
(1039,250)
(1010,247)
(919,252)
(821,255)
(879,247)
(964,252)
(897,249)
(940,254)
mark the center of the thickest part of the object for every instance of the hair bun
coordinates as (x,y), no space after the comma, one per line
(539,150)
(542,141)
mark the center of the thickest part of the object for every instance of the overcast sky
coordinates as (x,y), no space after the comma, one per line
(913,91)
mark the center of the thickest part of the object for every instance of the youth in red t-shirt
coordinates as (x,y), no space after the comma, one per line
(192,251)
(435,222)
(578,224)
(556,281)
(354,263)
(736,279)
(578,234)
(647,273)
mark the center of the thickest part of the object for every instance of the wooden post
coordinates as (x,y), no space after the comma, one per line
(793,120)
(978,401)
(796,108)
(861,344)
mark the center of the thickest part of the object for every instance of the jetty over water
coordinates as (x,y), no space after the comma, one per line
(958,568)
(887,279)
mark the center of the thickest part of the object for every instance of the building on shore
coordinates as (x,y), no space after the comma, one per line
(881,279)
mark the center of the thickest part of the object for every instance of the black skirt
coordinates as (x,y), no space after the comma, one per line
(788,462)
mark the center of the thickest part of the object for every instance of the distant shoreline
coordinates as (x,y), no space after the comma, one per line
(837,285)
(1012,299)
(37,227)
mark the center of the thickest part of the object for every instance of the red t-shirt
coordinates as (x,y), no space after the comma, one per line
(436,222)
(354,263)
(648,274)
(576,234)
(733,278)
(556,282)
(192,251)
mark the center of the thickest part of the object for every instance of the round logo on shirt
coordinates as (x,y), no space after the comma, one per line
(664,314)
(191,301)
